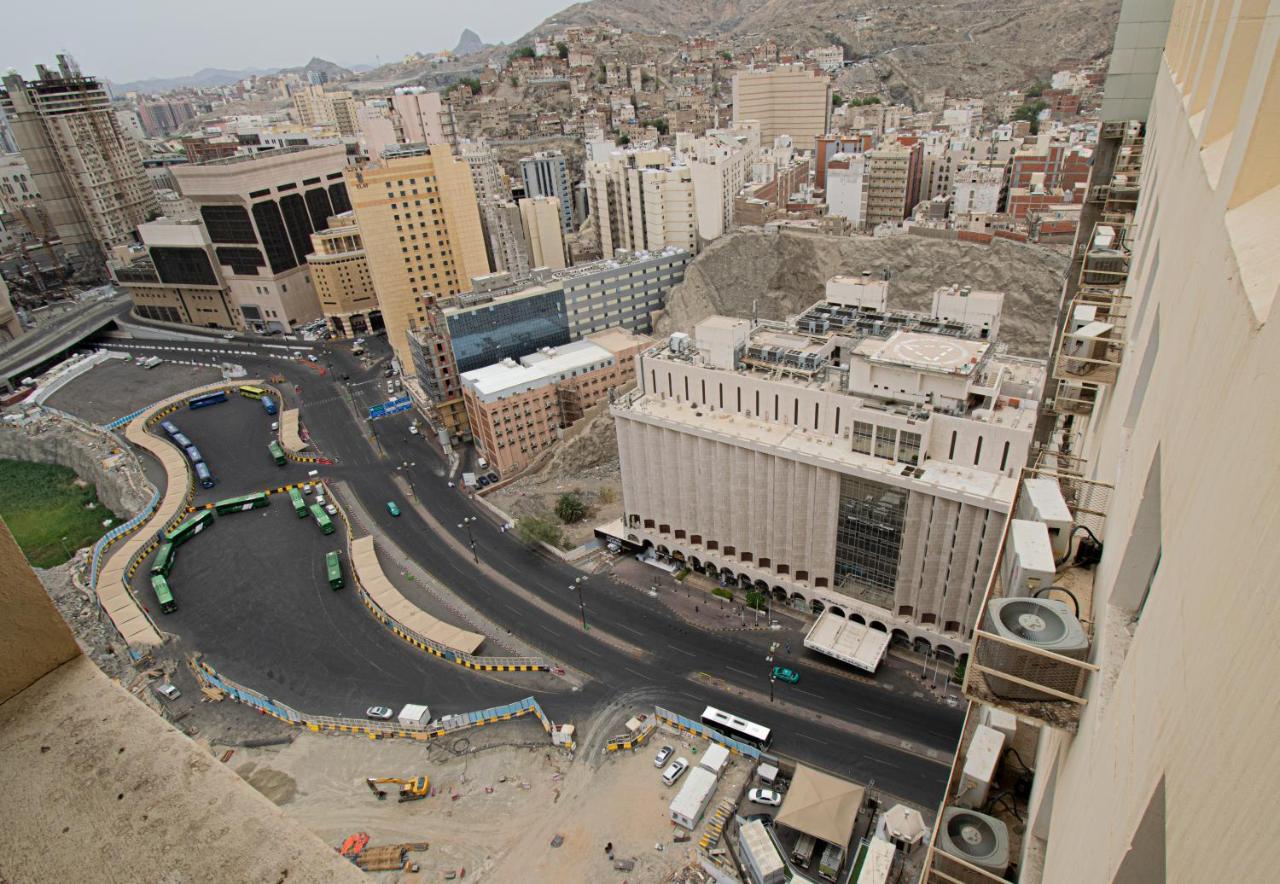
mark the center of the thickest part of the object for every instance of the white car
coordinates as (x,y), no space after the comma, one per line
(229,336)
(413,429)
(765,796)
(663,754)
(674,770)
(331,509)
(168,691)
(311,357)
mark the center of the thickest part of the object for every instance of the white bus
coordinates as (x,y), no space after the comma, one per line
(738,728)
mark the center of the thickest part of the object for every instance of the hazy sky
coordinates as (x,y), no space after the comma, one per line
(136,39)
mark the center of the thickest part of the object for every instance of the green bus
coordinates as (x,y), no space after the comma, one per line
(322,518)
(241,504)
(299,505)
(333,564)
(163,595)
(277,453)
(164,560)
(190,528)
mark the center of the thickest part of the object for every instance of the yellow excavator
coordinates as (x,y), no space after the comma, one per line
(410,789)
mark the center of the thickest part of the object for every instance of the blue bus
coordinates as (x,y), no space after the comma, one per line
(269,405)
(193,454)
(181,440)
(170,427)
(208,399)
(203,474)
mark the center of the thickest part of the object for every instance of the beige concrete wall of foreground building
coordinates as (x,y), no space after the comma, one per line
(1176,752)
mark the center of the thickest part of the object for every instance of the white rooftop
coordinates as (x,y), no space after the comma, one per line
(940,353)
(535,370)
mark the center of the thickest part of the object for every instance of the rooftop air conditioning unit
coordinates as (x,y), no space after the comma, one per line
(1028,562)
(1043,502)
(975,838)
(1042,624)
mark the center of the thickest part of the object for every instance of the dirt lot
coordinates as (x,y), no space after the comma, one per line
(512,800)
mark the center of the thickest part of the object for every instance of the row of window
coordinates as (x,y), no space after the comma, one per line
(782,569)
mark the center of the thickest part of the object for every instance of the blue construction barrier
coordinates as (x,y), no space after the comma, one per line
(121,421)
(701,730)
(110,537)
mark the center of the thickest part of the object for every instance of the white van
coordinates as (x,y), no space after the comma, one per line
(674,770)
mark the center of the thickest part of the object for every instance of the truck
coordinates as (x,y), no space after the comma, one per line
(414,715)
(469,481)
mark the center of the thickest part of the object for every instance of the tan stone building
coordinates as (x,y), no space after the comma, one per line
(173,276)
(420,226)
(259,212)
(540,219)
(87,171)
(641,201)
(1139,705)
(885,185)
(340,272)
(787,99)
(10,326)
(852,460)
(518,409)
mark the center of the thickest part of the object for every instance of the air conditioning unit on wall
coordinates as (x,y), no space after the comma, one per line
(975,838)
(1042,624)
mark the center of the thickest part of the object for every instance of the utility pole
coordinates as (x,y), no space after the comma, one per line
(582,605)
(466,523)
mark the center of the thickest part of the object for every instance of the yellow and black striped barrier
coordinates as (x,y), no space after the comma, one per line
(279,489)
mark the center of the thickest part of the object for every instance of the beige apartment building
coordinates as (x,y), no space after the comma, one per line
(852,459)
(885,183)
(87,171)
(720,166)
(259,211)
(420,226)
(10,325)
(313,106)
(1140,704)
(519,409)
(785,99)
(543,234)
(641,201)
(340,272)
(504,237)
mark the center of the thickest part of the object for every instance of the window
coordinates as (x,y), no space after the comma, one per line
(862,437)
(275,239)
(951,455)
(869,529)
(228,224)
(1144,374)
(977,452)
(909,447)
(886,442)
(1141,558)
(177,265)
(1004,457)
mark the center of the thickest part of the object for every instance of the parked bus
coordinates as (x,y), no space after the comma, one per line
(299,505)
(181,440)
(204,476)
(333,564)
(241,504)
(190,528)
(252,392)
(277,453)
(737,728)
(170,428)
(269,405)
(163,595)
(322,518)
(164,560)
(208,399)
(193,454)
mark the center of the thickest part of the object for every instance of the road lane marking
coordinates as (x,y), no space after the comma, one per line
(682,651)
(815,739)
(740,672)
(629,629)
(810,693)
(638,674)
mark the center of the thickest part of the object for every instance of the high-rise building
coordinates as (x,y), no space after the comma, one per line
(16,184)
(887,183)
(316,107)
(486,174)
(546,173)
(173,276)
(162,117)
(504,237)
(544,239)
(259,211)
(853,459)
(1135,691)
(846,190)
(720,165)
(787,99)
(10,325)
(978,189)
(88,173)
(641,201)
(340,272)
(420,226)
(421,116)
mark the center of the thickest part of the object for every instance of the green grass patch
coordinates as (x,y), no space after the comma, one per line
(723,593)
(42,504)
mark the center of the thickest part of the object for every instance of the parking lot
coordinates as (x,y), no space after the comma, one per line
(117,388)
(232,438)
(253,596)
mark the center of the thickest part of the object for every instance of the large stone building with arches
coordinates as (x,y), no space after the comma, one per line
(851,459)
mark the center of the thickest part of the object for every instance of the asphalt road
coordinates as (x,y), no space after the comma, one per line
(323,653)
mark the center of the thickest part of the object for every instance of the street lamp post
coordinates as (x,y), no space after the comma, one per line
(466,523)
(408,467)
(582,605)
(771,681)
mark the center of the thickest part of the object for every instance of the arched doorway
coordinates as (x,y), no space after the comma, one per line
(945,652)
(921,645)
(779,594)
(695,563)
(899,637)
(817,606)
(837,610)
(876,624)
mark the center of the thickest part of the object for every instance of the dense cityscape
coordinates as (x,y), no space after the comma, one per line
(717,443)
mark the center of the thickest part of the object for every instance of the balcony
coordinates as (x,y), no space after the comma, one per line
(1005,800)
(1023,660)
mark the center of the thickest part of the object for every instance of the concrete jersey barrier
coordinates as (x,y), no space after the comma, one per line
(290,435)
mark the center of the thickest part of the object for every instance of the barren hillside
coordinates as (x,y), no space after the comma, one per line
(784,273)
(970,47)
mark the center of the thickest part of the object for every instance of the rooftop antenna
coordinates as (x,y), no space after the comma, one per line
(754,318)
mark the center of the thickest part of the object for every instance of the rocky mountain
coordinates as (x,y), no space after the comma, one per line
(205,78)
(468,43)
(334,71)
(907,47)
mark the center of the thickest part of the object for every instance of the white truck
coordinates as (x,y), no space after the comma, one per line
(414,715)
(469,481)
